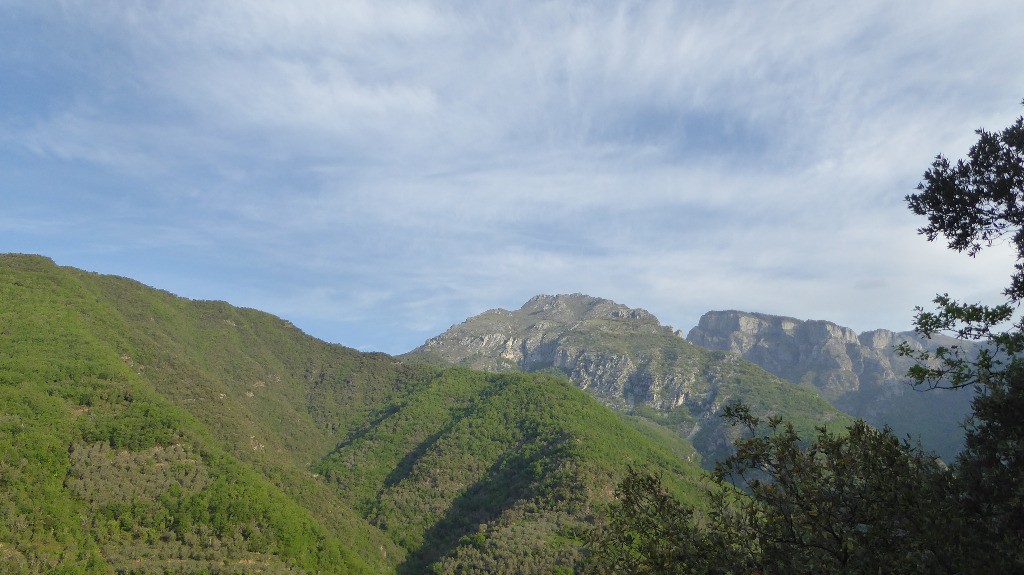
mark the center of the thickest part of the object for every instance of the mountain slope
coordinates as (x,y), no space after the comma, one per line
(104,471)
(145,433)
(628,360)
(860,374)
(503,462)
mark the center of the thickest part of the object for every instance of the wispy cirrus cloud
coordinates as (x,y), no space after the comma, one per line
(363,164)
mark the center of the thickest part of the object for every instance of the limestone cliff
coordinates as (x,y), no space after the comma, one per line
(554,332)
(629,361)
(859,373)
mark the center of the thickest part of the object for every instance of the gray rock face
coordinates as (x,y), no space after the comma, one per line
(830,357)
(588,339)
(860,374)
(626,359)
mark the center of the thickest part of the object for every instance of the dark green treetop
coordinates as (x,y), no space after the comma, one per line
(858,501)
(975,203)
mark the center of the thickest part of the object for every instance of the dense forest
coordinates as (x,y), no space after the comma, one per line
(145,433)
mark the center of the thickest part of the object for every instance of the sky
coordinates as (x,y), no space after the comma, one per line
(376,172)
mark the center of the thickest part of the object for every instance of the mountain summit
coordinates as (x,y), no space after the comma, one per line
(548,332)
(833,358)
(628,360)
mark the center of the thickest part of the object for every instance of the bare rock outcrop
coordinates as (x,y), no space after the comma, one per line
(625,358)
(860,373)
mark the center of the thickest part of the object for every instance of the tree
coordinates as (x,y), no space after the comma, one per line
(974,205)
(862,501)
(649,532)
(855,502)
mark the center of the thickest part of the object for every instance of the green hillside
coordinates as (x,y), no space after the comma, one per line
(145,433)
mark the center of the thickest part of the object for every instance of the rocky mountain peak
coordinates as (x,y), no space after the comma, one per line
(499,339)
(580,307)
(739,331)
(625,358)
(880,339)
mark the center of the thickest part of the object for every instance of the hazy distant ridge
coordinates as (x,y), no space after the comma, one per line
(859,373)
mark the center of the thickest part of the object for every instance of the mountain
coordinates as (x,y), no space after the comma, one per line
(625,358)
(142,432)
(859,373)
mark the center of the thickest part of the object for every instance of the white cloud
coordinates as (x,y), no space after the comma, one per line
(414,163)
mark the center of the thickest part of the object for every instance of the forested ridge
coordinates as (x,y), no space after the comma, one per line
(147,433)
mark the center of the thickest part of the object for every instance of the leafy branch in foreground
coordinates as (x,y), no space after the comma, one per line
(860,501)
(649,531)
(975,204)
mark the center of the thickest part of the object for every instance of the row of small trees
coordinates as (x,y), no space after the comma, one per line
(864,501)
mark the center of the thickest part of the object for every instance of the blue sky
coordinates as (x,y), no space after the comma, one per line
(378,171)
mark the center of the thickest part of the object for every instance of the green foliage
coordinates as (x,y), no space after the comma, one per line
(649,532)
(101,472)
(490,473)
(766,397)
(863,501)
(145,433)
(991,473)
(857,502)
(975,204)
